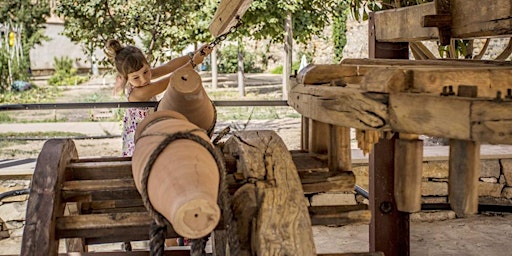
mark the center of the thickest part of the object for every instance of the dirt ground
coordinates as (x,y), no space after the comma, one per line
(484,234)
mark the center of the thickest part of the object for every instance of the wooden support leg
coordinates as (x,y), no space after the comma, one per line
(340,151)
(408,168)
(318,137)
(464,169)
(389,228)
(304,143)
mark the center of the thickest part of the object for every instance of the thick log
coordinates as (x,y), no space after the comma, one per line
(469,20)
(341,106)
(44,203)
(339,215)
(282,221)
(340,150)
(318,137)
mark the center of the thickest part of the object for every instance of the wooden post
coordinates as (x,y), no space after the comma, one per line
(389,228)
(464,169)
(408,168)
(340,151)
(304,131)
(318,137)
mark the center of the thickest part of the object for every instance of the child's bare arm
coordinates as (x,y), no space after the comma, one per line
(145,93)
(176,63)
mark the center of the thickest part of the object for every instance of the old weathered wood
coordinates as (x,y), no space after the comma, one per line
(339,215)
(464,171)
(432,80)
(74,244)
(100,170)
(87,190)
(408,169)
(44,203)
(341,106)
(340,151)
(443,20)
(112,206)
(468,21)
(436,116)
(318,137)
(173,252)
(491,121)
(228,15)
(282,221)
(107,228)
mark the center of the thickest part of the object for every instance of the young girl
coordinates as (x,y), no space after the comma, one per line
(135,73)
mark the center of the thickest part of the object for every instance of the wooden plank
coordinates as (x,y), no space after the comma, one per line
(167,252)
(96,170)
(109,206)
(227,15)
(112,227)
(88,190)
(446,117)
(491,121)
(339,215)
(341,106)
(431,80)
(469,20)
(44,203)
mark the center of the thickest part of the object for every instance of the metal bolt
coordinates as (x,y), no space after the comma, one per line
(450,90)
(445,91)
(498,96)
(386,207)
(509,94)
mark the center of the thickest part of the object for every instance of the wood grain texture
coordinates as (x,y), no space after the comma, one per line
(44,203)
(226,15)
(408,170)
(469,20)
(341,106)
(282,225)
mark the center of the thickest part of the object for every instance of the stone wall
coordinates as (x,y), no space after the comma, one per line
(495,183)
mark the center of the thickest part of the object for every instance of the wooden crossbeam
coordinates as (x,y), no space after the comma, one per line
(476,119)
(469,20)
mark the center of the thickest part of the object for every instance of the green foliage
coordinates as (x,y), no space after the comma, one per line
(27,19)
(361,8)
(161,25)
(34,95)
(279,69)
(228,60)
(65,74)
(339,30)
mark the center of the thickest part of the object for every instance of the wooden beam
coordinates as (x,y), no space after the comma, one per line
(408,169)
(341,106)
(228,15)
(100,170)
(469,20)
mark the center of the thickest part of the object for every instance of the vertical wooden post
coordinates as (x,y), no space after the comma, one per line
(304,143)
(464,169)
(318,137)
(408,169)
(389,228)
(340,151)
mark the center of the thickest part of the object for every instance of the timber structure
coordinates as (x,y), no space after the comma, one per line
(389,99)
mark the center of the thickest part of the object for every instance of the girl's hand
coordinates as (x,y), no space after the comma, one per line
(201,53)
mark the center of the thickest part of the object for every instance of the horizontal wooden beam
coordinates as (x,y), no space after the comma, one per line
(469,20)
(477,119)
(341,106)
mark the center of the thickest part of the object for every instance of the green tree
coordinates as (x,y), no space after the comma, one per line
(160,25)
(25,19)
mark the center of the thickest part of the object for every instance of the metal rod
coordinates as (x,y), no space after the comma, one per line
(89,105)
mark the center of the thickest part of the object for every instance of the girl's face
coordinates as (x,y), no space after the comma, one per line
(141,77)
